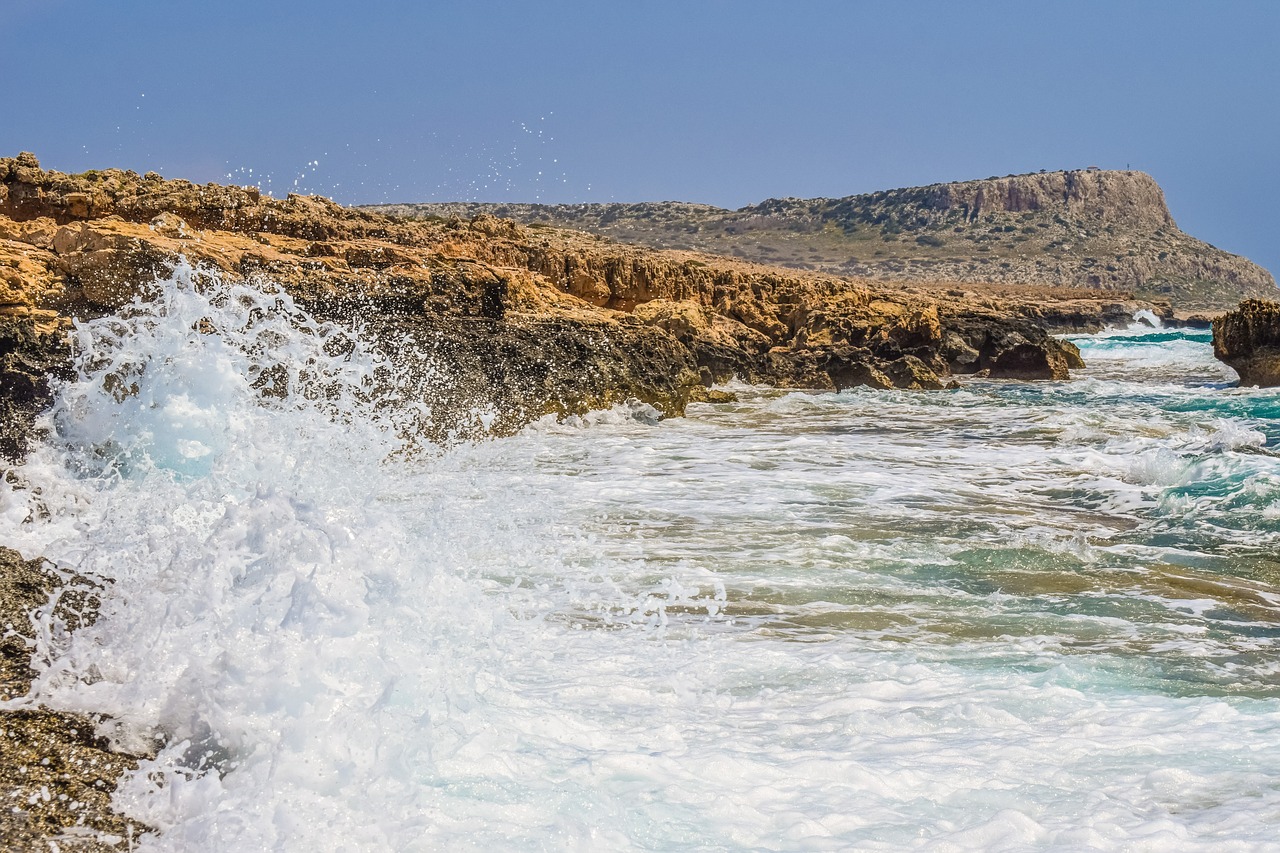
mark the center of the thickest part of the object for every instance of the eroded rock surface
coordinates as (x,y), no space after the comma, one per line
(56,774)
(524,320)
(504,323)
(1248,339)
(31,355)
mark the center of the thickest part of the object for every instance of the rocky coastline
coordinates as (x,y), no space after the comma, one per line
(580,321)
(520,320)
(1248,339)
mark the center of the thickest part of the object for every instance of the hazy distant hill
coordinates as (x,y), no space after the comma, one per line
(1091,228)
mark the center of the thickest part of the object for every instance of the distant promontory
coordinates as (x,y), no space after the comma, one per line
(1091,228)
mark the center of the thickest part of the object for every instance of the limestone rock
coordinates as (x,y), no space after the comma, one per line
(1248,339)
(612,321)
(57,774)
(170,225)
(850,367)
(29,359)
(910,373)
(109,278)
(1008,349)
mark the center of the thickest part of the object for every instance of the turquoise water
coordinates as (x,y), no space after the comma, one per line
(1012,616)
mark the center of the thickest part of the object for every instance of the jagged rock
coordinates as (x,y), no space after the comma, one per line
(1008,349)
(959,355)
(109,278)
(712,395)
(29,358)
(166,224)
(1021,359)
(853,368)
(912,374)
(55,772)
(618,321)
(1248,339)
(1071,354)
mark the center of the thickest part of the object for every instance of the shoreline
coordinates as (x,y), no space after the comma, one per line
(524,321)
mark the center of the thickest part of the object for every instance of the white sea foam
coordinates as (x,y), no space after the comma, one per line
(1016,616)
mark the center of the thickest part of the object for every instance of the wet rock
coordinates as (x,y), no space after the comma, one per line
(24,586)
(1248,339)
(56,774)
(1008,348)
(912,374)
(30,358)
(712,395)
(960,357)
(110,278)
(1071,353)
(1022,359)
(519,369)
(854,368)
(715,318)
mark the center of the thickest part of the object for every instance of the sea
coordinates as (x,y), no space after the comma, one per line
(1008,616)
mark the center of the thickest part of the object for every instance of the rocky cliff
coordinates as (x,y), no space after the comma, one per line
(575,321)
(1080,228)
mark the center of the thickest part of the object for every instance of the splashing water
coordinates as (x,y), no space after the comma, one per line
(1014,616)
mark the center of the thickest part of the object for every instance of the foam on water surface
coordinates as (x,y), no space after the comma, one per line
(1013,616)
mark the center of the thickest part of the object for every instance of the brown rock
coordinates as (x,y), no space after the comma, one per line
(109,278)
(700,394)
(1248,339)
(170,225)
(29,358)
(662,316)
(912,374)
(55,772)
(78,204)
(1075,228)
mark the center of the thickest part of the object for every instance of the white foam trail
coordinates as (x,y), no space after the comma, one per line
(997,618)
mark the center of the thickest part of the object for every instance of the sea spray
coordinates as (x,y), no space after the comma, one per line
(1012,616)
(225,471)
(297,626)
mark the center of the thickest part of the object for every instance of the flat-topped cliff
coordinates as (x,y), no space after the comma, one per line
(1075,228)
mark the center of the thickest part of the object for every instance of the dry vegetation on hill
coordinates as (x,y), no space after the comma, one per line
(1097,229)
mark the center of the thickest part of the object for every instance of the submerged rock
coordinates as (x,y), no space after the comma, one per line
(1248,339)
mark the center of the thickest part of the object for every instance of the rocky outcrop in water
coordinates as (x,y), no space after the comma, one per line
(1077,228)
(1248,339)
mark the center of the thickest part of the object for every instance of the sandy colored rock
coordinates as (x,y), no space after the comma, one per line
(474,286)
(1248,339)
(1075,228)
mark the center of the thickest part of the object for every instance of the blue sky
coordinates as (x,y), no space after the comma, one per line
(703,100)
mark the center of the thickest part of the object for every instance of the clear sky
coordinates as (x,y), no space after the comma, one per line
(702,100)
